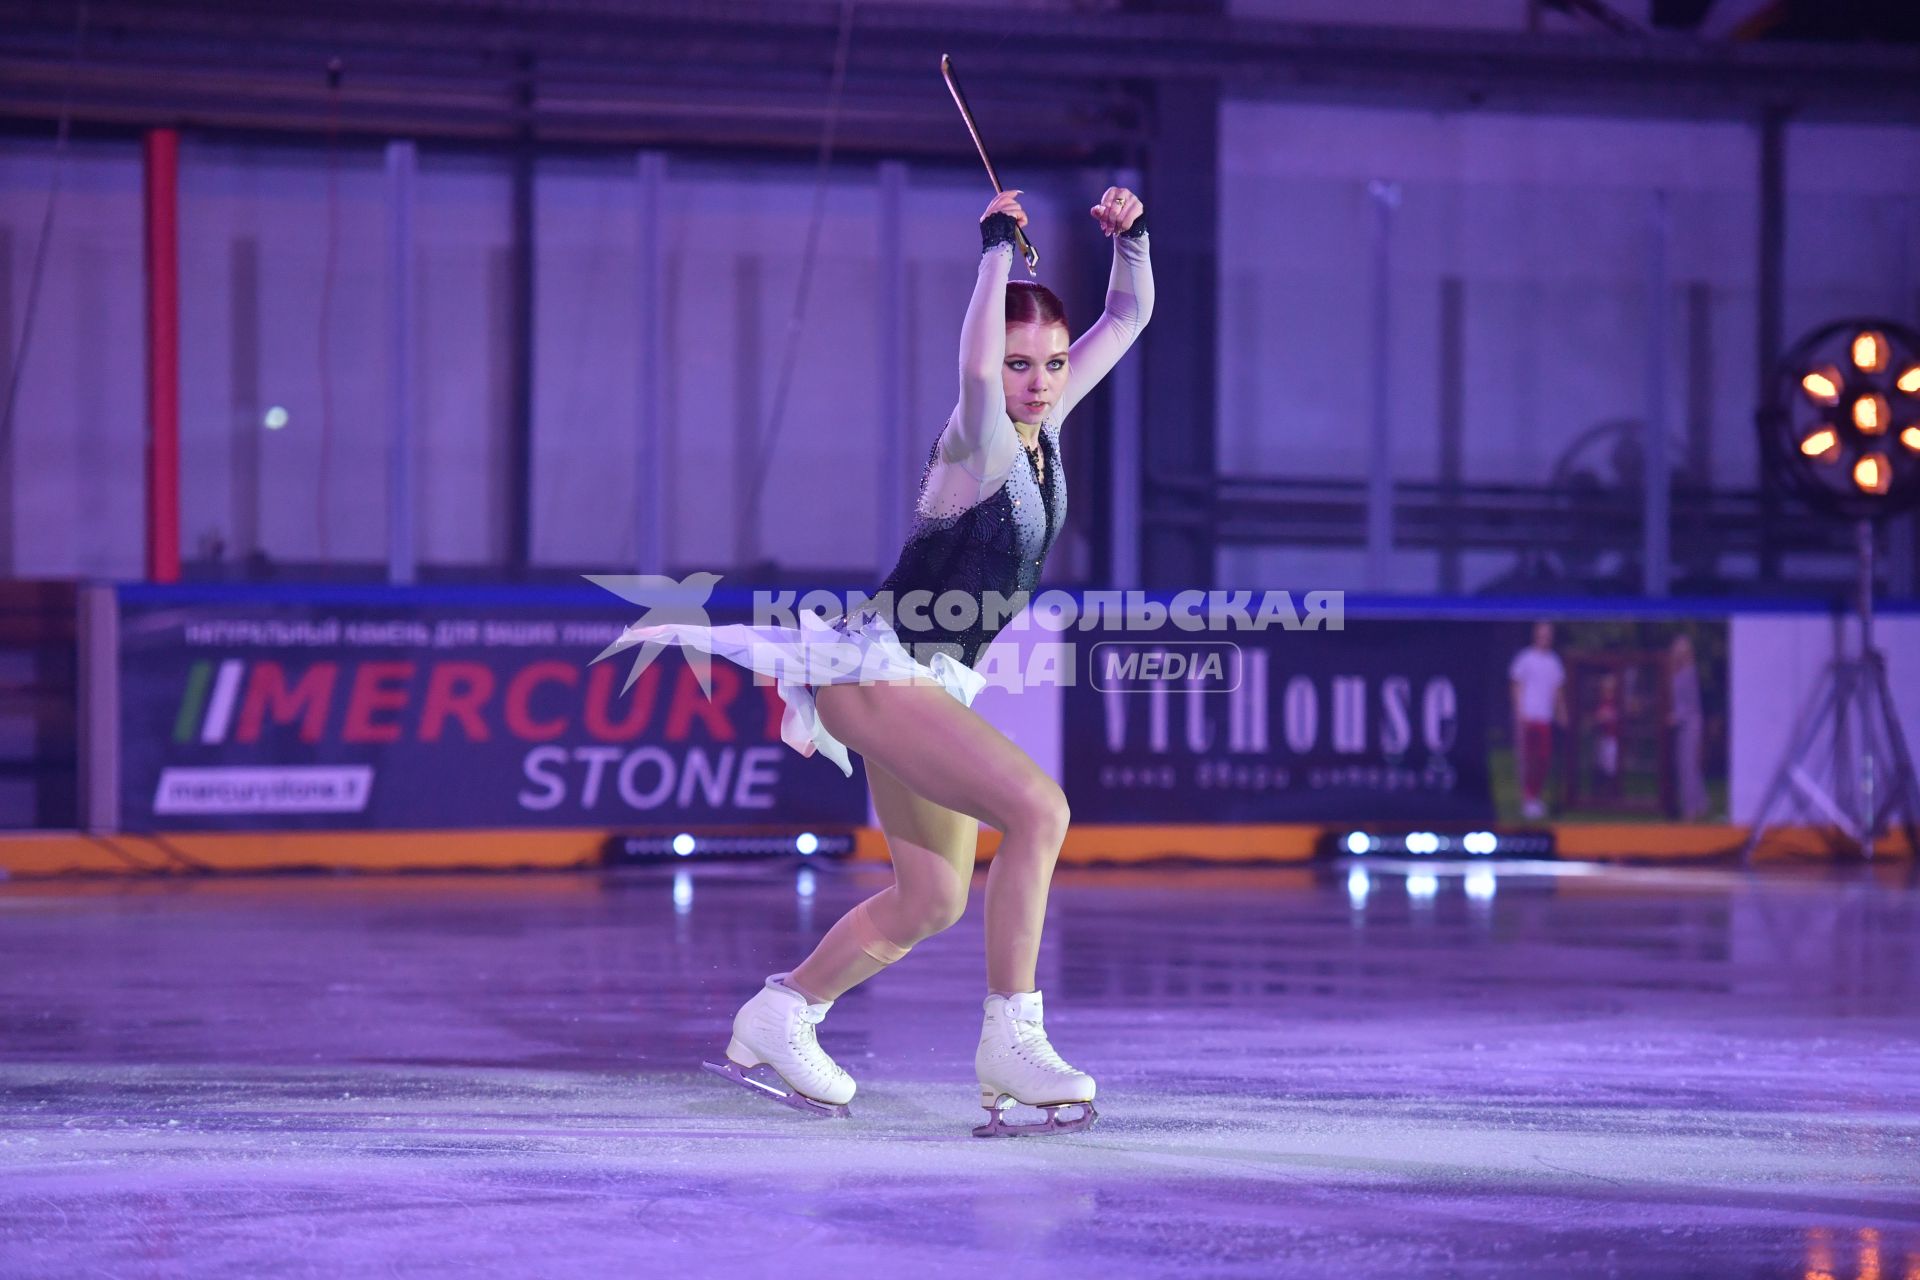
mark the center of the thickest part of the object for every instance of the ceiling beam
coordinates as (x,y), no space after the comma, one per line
(1047,83)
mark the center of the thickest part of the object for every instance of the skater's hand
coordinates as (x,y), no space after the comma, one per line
(1117,210)
(1007,202)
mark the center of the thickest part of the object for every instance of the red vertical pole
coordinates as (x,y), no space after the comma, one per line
(163,354)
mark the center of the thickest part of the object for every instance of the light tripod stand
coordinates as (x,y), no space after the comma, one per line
(1847,761)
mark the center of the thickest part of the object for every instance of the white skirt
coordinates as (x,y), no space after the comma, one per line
(857,648)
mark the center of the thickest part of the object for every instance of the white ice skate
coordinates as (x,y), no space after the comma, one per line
(775,1030)
(1016,1064)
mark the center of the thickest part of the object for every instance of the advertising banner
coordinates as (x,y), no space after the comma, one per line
(1380,720)
(1406,720)
(248,714)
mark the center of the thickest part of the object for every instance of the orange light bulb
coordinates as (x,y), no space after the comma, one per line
(1823,444)
(1823,385)
(1872,474)
(1870,414)
(1869,352)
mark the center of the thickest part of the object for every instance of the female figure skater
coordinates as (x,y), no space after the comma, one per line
(991,501)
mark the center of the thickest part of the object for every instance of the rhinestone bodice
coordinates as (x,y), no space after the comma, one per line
(996,545)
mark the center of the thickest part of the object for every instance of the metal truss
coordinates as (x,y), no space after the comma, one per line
(1065,83)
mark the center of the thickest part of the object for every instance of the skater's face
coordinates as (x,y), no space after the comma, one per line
(1543,635)
(1035,371)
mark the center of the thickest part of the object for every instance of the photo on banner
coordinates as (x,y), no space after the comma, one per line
(1610,720)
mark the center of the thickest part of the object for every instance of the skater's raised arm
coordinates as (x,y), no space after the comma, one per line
(982,438)
(1129,298)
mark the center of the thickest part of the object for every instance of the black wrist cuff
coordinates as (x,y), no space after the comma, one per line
(996,229)
(1139,227)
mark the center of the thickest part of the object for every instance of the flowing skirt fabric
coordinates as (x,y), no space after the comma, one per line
(856,648)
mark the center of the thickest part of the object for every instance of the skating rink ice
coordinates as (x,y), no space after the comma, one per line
(1303,1072)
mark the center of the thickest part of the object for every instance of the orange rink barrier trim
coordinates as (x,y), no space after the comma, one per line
(52,854)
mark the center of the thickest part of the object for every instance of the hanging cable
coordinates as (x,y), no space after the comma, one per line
(777,414)
(62,132)
(327,271)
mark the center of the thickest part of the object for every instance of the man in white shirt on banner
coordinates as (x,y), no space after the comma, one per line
(1538,682)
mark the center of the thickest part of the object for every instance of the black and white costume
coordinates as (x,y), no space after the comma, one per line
(982,524)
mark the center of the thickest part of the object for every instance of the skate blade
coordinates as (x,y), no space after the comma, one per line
(731,1070)
(997,1126)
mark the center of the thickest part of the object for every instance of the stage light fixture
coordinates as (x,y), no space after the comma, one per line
(724,846)
(1843,400)
(1423,843)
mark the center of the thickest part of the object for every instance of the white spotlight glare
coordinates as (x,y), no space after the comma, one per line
(683,845)
(803,883)
(1480,884)
(682,892)
(274,418)
(807,843)
(1357,842)
(1422,884)
(1479,842)
(1359,884)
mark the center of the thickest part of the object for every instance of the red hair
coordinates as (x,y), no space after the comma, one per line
(1029,302)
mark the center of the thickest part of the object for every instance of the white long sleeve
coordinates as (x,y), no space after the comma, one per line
(983,437)
(1129,307)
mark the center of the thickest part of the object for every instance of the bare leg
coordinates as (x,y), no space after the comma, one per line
(932,850)
(947,754)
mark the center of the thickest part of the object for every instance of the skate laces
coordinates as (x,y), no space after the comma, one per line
(1030,1042)
(803,1040)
